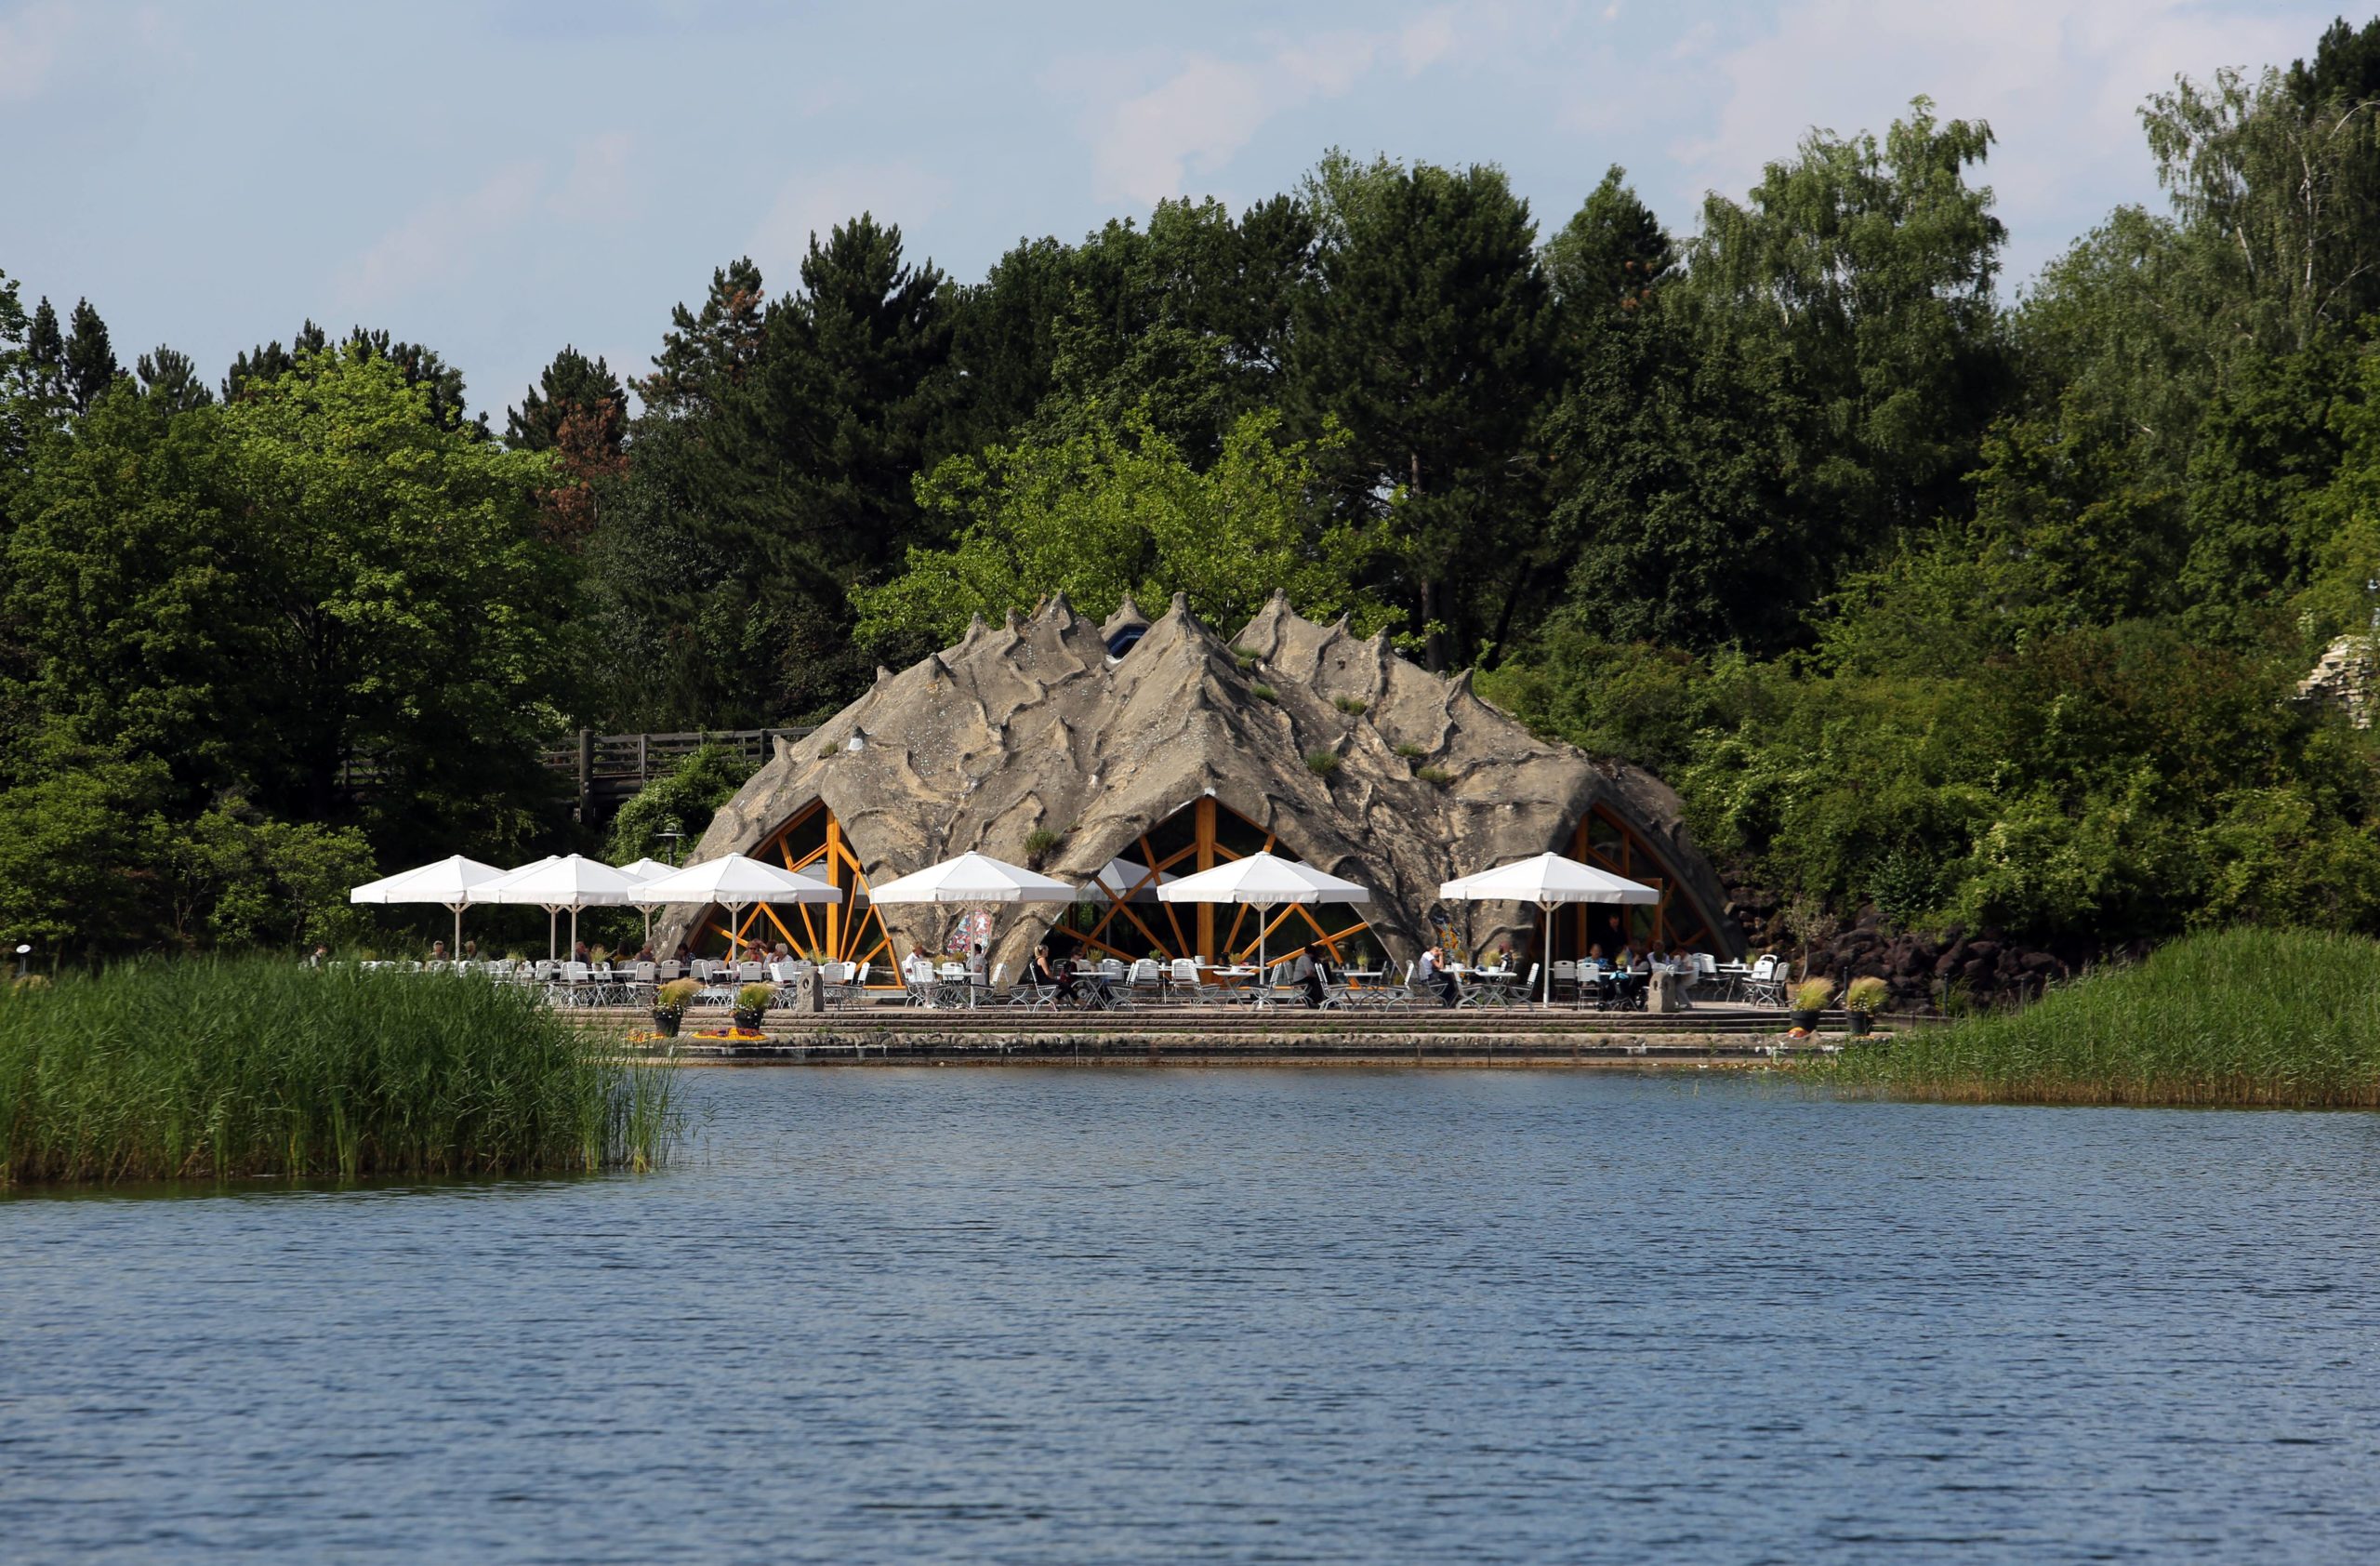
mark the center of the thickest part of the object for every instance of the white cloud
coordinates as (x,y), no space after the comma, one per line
(597,186)
(443,239)
(1198,119)
(1149,145)
(30,42)
(814,201)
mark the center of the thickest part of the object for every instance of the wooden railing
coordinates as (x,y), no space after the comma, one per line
(609,768)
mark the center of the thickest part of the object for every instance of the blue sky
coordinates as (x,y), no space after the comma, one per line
(499,180)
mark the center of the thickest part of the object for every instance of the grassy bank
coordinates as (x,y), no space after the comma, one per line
(2241,1016)
(221,1068)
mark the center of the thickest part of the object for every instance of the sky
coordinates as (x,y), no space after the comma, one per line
(499,180)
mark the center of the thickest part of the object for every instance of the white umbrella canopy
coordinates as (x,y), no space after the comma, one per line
(1125,880)
(973,878)
(735,882)
(572,881)
(646,869)
(1547,880)
(486,892)
(447,883)
(1264,880)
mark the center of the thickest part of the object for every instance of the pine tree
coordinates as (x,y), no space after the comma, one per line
(168,374)
(422,367)
(704,357)
(1429,335)
(42,377)
(90,366)
(573,386)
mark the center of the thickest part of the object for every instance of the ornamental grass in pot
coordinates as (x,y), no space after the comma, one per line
(1810,998)
(669,1004)
(1863,999)
(751,1002)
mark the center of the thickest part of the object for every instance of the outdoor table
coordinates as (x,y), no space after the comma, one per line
(1233,979)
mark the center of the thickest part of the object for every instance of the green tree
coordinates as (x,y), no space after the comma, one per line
(571,387)
(167,374)
(1122,510)
(1856,287)
(681,800)
(1428,334)
(89,364)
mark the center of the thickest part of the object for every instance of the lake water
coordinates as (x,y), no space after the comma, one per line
(1262,1315)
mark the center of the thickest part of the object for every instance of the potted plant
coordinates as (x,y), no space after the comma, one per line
(751,1002)
(1863,999)
(1810,998)
(669,1004)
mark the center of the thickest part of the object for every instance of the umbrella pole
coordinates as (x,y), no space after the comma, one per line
(455,952)
(552,941)
(574,931)
(1545,956)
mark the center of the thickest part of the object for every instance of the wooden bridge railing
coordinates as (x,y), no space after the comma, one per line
(609,768)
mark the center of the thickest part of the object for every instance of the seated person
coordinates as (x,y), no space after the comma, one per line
(1435,977)
(1306,974)
(1053,976)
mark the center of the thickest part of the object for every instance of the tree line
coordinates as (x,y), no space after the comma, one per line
(1969,602)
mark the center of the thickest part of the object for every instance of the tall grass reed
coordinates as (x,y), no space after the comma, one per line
(2283,1017)
(221,1069)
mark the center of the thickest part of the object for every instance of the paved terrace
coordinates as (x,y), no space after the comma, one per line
(1190,1035)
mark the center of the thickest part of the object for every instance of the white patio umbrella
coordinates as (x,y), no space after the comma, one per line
(445,883)
(646,869)
(1264,880)
(1125,880)
(486,892)
(572,881)
(977,879)
(1547,880)
(735,882)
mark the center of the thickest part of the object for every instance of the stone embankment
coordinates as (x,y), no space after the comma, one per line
(1948,970)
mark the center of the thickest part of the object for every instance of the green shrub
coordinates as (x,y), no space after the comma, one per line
(1411,752)
(1263,692)
(1038,842)
(2232,1016)
(1354,707)
(755,996)
(1322,763)
(1813,995)
(685,797)
(1246,656)
(1436,776)
(205,1069)
(677,995)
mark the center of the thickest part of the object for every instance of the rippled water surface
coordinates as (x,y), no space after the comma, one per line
(1133,1315)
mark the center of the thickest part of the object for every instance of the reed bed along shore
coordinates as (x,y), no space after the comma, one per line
(2236,1017)
(220,1069)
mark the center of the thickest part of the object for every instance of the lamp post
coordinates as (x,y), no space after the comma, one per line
(672,836)
(23,952)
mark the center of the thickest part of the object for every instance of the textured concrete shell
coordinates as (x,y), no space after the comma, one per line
(1031,726)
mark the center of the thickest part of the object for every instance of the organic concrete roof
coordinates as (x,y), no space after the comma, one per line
(1030,727)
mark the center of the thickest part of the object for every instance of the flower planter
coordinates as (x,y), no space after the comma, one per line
(664,1021)
(749,1021)
(1807,1021)
(1860,1023)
